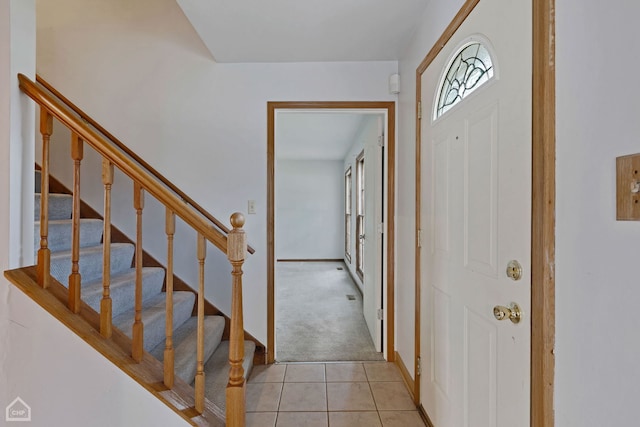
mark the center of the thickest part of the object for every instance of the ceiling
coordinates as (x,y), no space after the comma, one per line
(302,31)
(304,135)
(244,31)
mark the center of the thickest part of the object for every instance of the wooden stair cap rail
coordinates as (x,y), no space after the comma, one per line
(128,166)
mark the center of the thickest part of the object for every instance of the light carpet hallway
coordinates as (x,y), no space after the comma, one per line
(319,314)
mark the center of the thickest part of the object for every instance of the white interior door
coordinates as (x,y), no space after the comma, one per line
(476,214)
(373,236)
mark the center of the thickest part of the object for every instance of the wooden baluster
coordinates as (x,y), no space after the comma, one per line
(75,280)
(236,249)
(43,269)
(105,303)
(138,328)
(202,253)
(168,349)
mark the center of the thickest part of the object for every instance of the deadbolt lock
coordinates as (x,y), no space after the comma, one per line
(512,312)
(514,270)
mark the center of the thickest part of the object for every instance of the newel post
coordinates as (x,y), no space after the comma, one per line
(236,249)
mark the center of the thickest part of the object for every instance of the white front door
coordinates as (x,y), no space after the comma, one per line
(476,215)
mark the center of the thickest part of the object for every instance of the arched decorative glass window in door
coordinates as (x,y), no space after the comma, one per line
(470,68)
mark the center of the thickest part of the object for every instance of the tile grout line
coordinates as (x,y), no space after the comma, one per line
(281,393)
(326,392)
(372,395)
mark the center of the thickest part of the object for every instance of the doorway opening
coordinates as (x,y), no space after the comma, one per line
(291,234)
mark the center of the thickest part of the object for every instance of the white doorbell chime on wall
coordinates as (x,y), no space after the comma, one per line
(394,84)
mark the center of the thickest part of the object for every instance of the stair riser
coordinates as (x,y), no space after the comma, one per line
(91,263)
(122,292)
(59,238)
(185,342)
(217,371)
(60,206)
(154,318)
(155,331)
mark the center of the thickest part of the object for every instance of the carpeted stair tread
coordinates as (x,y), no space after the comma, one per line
(91,262)
(153,317)
(185,345)
(60,206)
(216,371)
(122,289)
(59,238)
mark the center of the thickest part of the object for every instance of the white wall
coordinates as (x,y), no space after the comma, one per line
(435,19)
(309,209)
(66,382)
(20,58)
(597,292)
(141,70)
(17,54)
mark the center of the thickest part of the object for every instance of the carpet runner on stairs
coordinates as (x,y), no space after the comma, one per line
(122,292)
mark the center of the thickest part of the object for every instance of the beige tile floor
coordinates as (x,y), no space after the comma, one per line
(369,394)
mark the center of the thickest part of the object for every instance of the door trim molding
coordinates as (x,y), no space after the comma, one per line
(543,141)
(390,106)
(543,210)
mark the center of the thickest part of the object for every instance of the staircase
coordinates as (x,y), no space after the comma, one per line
(163,336)
(123,278)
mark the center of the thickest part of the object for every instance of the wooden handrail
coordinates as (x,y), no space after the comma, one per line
(84,116)
(128,166)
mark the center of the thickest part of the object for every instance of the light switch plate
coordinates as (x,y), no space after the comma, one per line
(251,207)
(627,188)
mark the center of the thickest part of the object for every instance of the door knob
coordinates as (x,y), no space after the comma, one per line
(512,312)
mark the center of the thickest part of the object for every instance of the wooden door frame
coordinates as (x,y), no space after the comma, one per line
(543,141)
(390,108)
